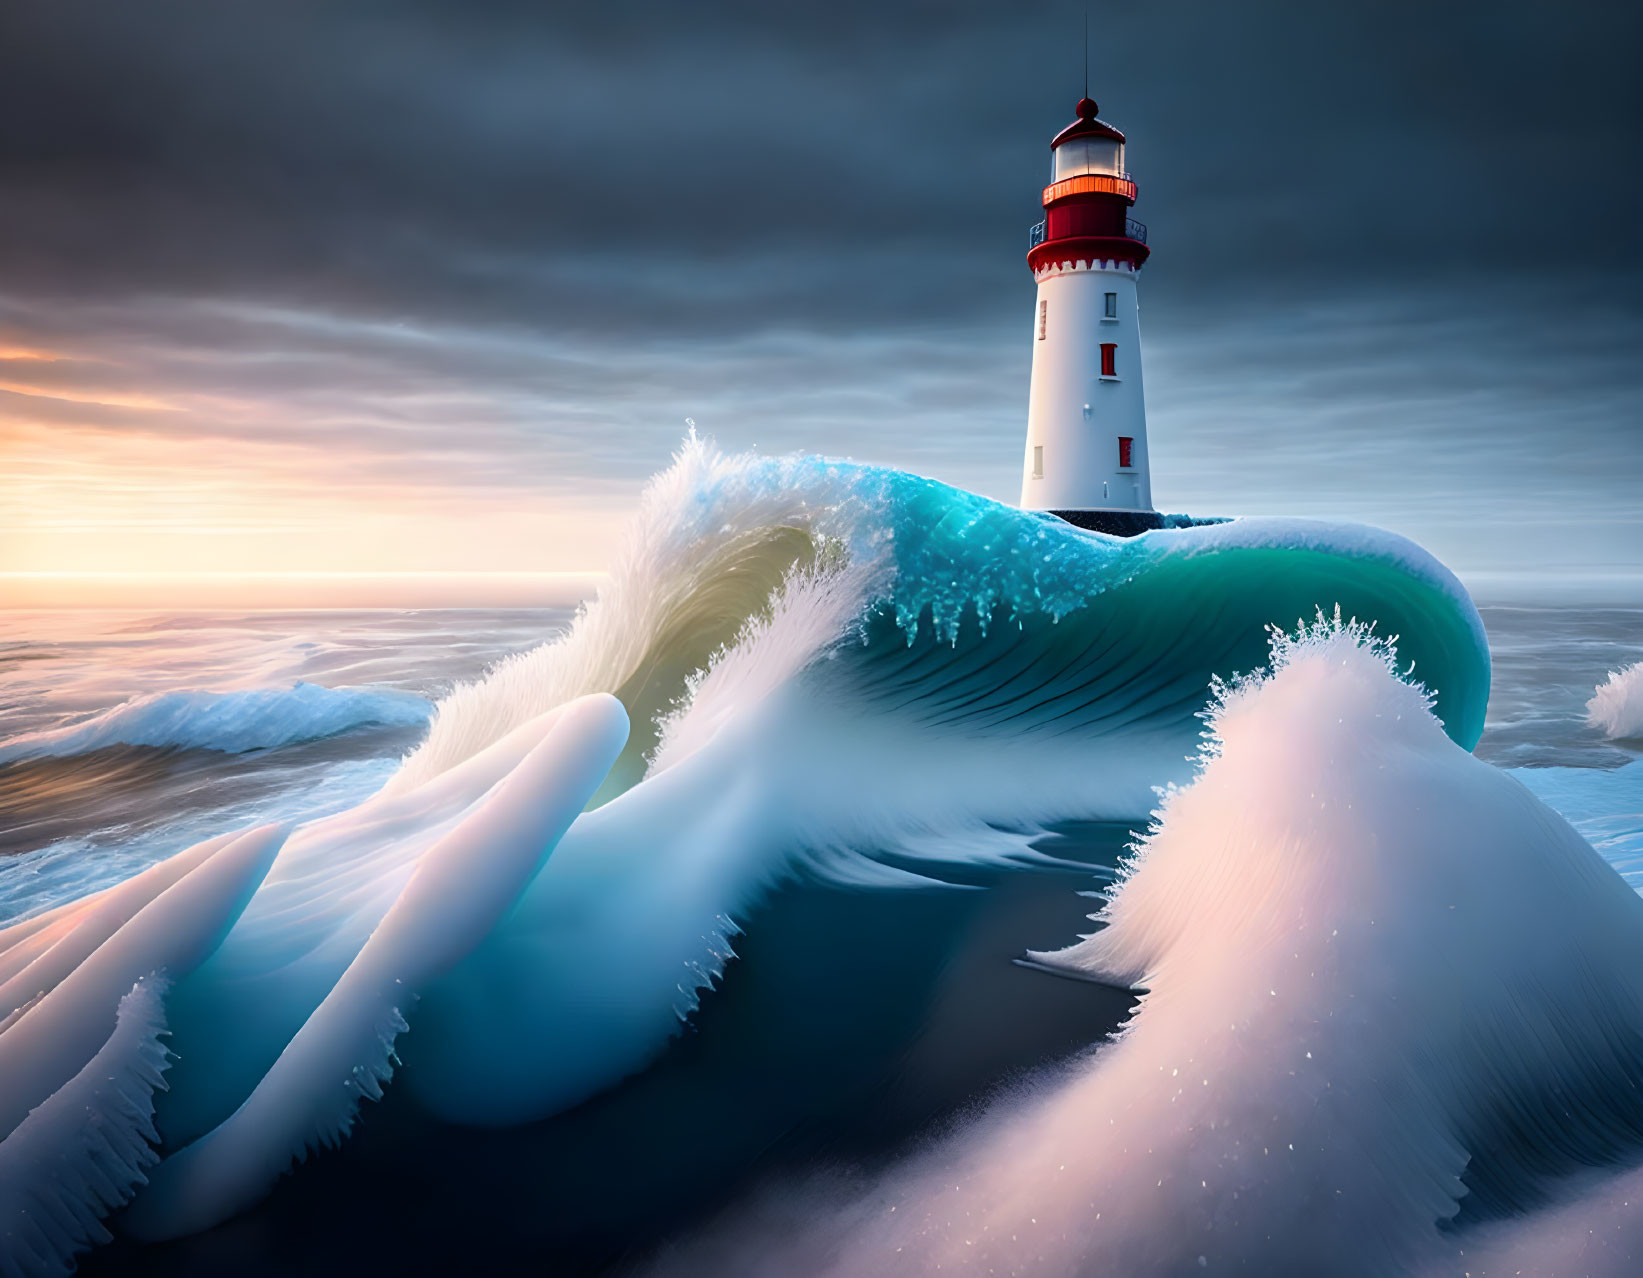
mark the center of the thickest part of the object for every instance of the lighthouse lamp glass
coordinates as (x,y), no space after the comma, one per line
(1088,155)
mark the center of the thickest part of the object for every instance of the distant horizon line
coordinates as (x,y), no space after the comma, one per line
(27,590)
(1545,570)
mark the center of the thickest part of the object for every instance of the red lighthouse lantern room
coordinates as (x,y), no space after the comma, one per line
(1087,204)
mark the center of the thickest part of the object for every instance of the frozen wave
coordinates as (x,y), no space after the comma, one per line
(460,889)
(1595,1233)
(79,1050)
(233,722)
(937,585)
(827,672)
(1387,995)
(1616,707)
(60,1175)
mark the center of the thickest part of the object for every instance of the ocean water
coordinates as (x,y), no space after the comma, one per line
(731,924)
(1547,660)
(80,808)
(102,808)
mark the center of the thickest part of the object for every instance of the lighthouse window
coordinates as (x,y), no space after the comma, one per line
(1038,461)
(1112,306)
(1109,359)
(1126,452)
(1088,155)
(1043,318)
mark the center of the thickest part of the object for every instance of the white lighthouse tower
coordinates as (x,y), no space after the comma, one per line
(1086,456)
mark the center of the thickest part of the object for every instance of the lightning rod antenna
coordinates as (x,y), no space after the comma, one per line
(1086,48)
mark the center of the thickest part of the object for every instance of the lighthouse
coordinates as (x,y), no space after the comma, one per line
(1086,457)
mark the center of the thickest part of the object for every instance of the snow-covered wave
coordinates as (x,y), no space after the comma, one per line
(1616,707)
(824,671)
(946,592)
(233,722)
(1387,995)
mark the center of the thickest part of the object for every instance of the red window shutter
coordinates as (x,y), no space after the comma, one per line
(1126,451)
(1109,359)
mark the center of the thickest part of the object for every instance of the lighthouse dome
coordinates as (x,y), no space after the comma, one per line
(1087,145)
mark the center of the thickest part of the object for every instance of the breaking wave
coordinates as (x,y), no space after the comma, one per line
(232,722)
(1616,707)
(798,671)
(1386,995)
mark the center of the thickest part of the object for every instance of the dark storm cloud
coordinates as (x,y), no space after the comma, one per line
(553,231)
(496,158)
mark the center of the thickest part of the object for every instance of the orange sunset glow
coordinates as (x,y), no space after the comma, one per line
(112,493)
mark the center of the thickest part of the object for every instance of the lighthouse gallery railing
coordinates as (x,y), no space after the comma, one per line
(1134,230)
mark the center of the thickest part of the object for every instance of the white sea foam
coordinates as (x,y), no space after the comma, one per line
(1616,707)
(713,539)
(1384,984)
(233,722)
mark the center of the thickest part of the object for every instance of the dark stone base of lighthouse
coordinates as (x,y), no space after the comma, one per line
(1117,523)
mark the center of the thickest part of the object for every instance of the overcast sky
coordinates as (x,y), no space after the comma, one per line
(435,285)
